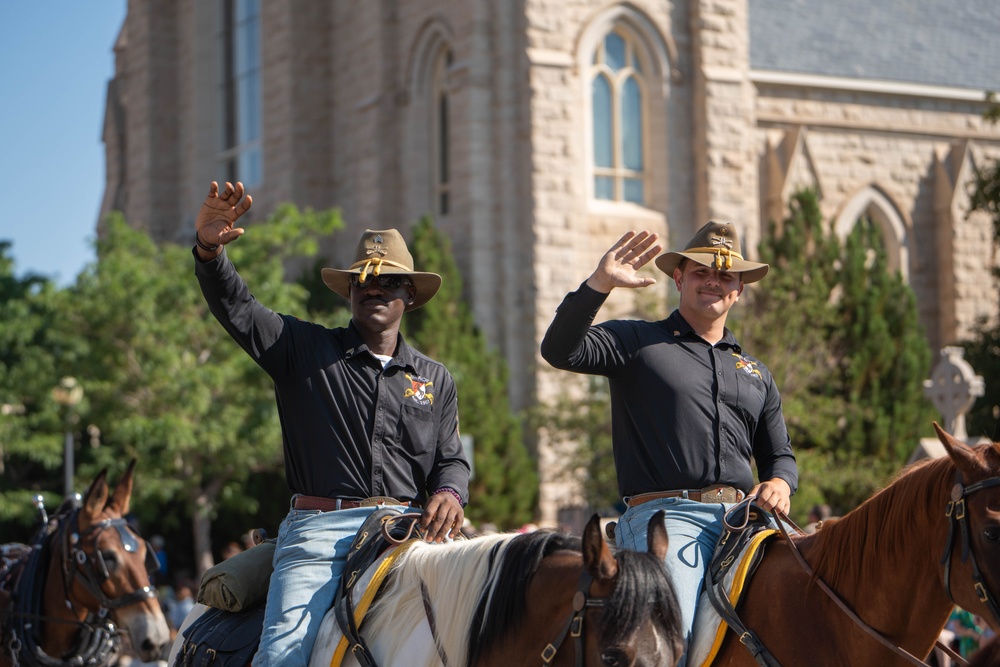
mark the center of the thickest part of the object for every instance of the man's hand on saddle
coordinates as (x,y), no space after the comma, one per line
(774,494)
(442,518)
(218,215)
(620,265)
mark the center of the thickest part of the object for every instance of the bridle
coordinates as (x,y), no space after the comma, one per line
(582,601)
(93,571)
(958,514)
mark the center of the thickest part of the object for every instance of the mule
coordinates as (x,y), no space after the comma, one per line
(899,561)
(84,580)
(516,599)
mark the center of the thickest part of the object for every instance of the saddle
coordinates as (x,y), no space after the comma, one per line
(228,635)
(380,531)
(737,554)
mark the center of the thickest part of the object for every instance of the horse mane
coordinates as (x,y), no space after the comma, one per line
(882,527)
(503,600)
(642,593)
(449,572)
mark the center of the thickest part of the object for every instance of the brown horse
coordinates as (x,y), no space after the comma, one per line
(900,561)
(86,573)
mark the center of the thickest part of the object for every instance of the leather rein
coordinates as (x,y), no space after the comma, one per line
(957,514)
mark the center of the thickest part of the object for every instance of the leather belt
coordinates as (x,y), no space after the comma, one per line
(717,493)
(323,504)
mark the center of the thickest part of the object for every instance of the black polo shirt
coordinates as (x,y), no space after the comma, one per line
(685,414)
(350,429)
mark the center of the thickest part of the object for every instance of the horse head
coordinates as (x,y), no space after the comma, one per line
(104,565)
(639,623)
(972,552)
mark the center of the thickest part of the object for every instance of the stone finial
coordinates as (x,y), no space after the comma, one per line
(954,388)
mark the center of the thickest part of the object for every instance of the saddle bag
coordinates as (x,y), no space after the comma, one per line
(222,638)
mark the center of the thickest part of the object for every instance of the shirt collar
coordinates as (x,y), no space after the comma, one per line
(356,345)
(680,328)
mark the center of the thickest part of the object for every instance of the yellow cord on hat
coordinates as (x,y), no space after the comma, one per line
(378,262)
(718,252)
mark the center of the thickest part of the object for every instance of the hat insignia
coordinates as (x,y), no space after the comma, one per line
(378,238)
(718,240)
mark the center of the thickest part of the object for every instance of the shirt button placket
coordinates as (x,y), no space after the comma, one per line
(378,437)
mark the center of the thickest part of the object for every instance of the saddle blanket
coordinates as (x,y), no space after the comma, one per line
(709,628)
(331,646)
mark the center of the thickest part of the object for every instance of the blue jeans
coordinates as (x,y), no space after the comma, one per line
(694,529)
(309,557)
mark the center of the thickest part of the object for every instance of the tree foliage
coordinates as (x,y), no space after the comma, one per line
(839,331)
(504,489)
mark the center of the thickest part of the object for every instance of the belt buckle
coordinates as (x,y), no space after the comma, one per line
(378,500)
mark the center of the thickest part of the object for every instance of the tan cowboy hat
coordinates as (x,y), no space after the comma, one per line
(717,245)
(383,251)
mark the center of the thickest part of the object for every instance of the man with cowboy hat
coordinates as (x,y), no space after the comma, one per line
(689,407)
(366,420)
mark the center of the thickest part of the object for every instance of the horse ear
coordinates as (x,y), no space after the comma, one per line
(123,490)
(95,498)
(657,537)
(963,455)
(597,557)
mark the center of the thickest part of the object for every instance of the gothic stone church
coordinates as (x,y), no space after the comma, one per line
(537,131)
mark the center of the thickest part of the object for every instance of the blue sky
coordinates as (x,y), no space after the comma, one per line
(56,58)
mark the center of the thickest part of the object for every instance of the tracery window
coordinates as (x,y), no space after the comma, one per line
(618,115)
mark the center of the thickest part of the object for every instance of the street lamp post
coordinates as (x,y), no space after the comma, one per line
(68,393)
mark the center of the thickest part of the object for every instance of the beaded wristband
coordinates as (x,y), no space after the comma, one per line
(206,248)
(450,490)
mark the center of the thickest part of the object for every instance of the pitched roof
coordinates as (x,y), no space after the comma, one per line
(934,42)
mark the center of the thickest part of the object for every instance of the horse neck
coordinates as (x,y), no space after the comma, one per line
(892,544)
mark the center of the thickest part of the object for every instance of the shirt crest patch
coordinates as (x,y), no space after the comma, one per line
(747,365)
(418,390)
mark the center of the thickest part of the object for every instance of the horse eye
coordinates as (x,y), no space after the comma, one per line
(992,533)
(110,559)
(613,658)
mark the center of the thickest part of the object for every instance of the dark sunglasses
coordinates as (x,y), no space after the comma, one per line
(387,282)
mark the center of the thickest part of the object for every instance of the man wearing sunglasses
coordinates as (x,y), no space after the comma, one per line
(367,421)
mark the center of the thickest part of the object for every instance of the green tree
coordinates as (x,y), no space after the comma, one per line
(31,423)
(839,332)
(882,351)
(504,489)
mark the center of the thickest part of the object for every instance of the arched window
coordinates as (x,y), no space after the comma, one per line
(618,107)
(441,132)
(872,204)
(241,92)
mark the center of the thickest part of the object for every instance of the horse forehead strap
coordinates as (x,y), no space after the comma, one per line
(128,538)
